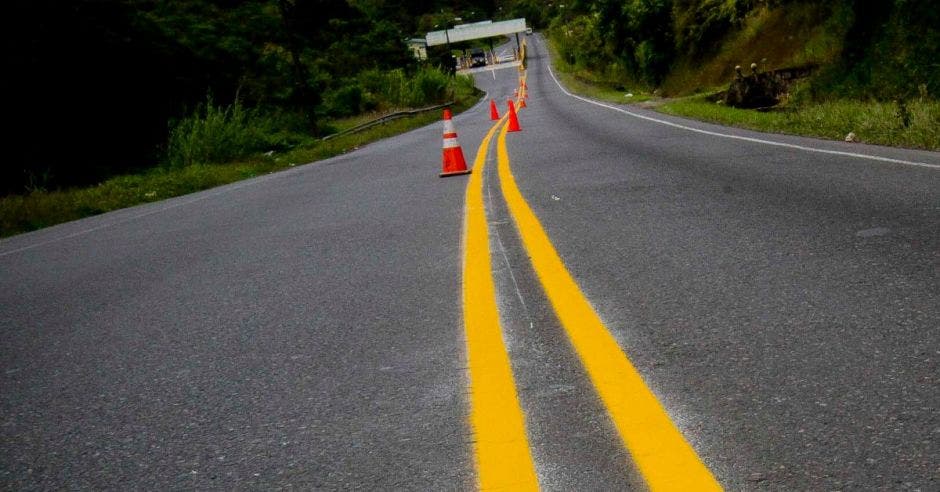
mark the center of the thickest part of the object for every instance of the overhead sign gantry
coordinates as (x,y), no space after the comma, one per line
(477,30)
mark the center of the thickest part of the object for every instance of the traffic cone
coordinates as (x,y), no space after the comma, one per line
(522,102)
(513,120)
(494,114)
(454,163)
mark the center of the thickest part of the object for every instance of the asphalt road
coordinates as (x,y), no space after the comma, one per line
(302,328)
(305,328)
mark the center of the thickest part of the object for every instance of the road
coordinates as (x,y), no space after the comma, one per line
(776,297)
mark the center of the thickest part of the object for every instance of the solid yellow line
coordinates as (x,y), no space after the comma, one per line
(664,458)
(502,449)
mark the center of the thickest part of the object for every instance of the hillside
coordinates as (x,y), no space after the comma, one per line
(102,87)
(846,69)
(881,50)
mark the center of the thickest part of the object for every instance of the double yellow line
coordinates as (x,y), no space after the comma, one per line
(502,450)
(504,461)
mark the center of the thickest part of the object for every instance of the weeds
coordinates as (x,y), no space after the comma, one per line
(21,213)
(215,134)
(375,90)
(588,83)
(917,125)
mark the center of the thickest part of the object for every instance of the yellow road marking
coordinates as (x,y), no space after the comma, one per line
(502,449)
(665,459)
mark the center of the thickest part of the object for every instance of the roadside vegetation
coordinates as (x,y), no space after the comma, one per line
(873,67)
(214,146)
(875,122)
(117,102)
(585,82)
(120,102)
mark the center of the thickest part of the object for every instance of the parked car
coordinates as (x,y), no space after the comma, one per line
(477,57)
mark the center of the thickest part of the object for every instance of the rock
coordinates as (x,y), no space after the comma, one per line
(762,89)
(851,137)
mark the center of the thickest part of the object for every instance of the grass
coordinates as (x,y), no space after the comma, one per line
(588,84)
(798,34)
(582,84)
(872,122)
(216,134)
(22,213)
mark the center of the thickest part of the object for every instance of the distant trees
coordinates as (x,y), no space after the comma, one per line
(633,38)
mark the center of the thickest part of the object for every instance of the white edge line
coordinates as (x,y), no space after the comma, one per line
(738,137)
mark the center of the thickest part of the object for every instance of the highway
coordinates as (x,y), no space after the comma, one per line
(614,299)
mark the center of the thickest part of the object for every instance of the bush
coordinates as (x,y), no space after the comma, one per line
(464,87)
(429,86)
(395,89)
(217,134)
(700,25)
(344,101)
(384,88)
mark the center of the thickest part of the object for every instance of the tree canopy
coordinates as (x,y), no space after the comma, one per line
(102,78)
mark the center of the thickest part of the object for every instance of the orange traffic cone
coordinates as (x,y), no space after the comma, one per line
(522,102)
(494,114)
(513,120)
(454,163)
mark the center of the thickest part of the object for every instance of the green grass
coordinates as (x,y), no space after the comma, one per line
(582,84)
(779,37)
(22,213)
(873,122)
(216,134)
(587,84)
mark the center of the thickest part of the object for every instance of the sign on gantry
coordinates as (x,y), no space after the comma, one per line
(476,30)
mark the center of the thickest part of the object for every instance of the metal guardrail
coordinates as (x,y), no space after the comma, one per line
(388,117)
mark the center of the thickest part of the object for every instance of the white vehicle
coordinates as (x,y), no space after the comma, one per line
(505,56)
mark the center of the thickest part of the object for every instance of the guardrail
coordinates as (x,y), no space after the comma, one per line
(388,117)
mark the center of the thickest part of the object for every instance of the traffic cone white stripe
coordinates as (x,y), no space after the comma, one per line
(449,127)
(454,162)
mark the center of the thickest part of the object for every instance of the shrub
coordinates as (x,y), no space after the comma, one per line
(211,134)
(344,101)
(217,134)
(429,86)
(395,89)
